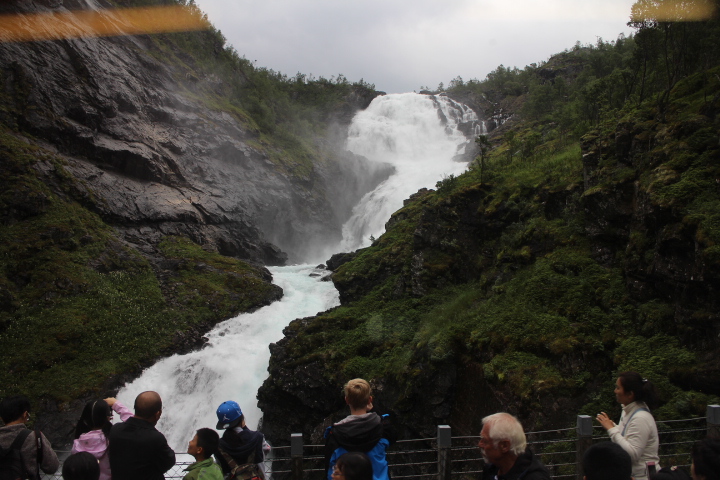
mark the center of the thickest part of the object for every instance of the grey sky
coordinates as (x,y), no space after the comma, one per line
(400,45)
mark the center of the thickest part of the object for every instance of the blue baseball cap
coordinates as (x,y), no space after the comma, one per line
(228,414)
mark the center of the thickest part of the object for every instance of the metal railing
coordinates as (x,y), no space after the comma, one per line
(445,457)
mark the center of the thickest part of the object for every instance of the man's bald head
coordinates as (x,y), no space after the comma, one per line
(148,406)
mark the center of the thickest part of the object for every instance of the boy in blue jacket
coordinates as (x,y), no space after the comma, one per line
(361,431)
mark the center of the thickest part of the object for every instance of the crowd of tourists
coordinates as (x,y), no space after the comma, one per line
(355,447)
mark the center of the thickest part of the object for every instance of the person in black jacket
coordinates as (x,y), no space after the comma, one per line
(137,450)
(504,448)
(245,447)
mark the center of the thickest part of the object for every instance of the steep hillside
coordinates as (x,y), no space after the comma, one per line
(146,180)
(582,243)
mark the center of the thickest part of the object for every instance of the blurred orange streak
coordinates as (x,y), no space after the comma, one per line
(677,11)
(99,23)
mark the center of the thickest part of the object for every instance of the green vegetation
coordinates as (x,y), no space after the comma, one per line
(78,307)
(584,239)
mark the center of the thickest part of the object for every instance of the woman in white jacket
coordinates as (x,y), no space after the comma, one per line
(636,433)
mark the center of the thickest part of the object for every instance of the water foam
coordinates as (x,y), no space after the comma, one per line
(234,363)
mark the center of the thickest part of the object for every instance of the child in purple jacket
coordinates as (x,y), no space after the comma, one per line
(93,427)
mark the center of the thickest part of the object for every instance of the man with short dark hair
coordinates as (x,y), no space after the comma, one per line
(504,448)
(137,450)
(23,459)
(607,461)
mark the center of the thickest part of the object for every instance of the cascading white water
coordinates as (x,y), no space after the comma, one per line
(234,363)
(419,136)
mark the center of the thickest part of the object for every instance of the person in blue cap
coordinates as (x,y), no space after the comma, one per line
(242,450)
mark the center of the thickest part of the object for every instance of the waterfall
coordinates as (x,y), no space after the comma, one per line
(420,135)
(233,364)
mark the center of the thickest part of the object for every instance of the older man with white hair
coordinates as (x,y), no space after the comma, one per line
(504,448)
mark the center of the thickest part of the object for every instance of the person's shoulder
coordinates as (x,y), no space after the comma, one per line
(536,470)
(643,414)
(212,472)
(539,474)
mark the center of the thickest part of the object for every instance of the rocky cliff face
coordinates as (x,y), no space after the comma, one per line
(142,134)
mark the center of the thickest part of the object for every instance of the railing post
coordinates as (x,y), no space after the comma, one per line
(713,421)
(444,441)
(584,441)
(296,453)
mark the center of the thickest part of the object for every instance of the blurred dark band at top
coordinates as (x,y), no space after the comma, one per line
(22,27)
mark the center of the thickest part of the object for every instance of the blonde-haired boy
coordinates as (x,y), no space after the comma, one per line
(358,396)
(361,431)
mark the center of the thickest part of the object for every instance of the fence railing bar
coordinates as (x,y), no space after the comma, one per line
(406,452)
(417,440)
(547,454)
(682,420)
(551,431)
(413,464)
(543,442)
(666,432)
(416,475)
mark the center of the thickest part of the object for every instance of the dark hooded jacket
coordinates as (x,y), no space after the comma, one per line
(244,447)
(369,433)
(527,467)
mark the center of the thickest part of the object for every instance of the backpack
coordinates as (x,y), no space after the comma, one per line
(11,461)
(246,471)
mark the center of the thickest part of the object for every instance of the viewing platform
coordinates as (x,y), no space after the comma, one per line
(445,457)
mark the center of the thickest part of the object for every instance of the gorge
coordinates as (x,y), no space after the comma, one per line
(397,130)
(148,180)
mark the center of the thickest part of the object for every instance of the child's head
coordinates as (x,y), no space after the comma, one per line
(81,466)
(95,416)
(204,444)
(353,466)
(358,393)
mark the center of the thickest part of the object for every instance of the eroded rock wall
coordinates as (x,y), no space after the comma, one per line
(140,131)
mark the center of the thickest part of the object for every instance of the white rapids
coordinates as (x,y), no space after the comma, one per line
(234,363)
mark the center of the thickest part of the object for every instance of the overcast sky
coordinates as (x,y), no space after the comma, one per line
(400,45)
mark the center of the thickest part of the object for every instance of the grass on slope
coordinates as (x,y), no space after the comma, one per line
(76,306)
